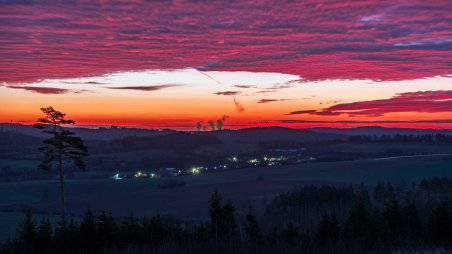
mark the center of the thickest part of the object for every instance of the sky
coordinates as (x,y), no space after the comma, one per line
(170,64)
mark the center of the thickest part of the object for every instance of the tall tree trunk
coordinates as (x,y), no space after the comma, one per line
(216,236)
(60,170)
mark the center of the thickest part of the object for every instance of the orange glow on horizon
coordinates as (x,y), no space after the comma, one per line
(270,100)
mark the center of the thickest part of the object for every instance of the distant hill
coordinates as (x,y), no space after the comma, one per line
(18,145)
(101,133)
(178,141)
(249,135)
(254,135)
(132,148)
(377,130)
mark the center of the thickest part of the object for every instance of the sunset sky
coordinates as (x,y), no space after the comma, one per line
(171,64)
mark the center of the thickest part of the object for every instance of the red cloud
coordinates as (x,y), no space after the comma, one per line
(44,90)
(318,40)
(422,101)
(231,93)
(143,88)
(271,100)
(300,112)
(366,122)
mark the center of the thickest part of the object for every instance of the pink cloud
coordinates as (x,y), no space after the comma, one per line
(46,90)
(422,101)
(144,88)
(318,40)
(366,122)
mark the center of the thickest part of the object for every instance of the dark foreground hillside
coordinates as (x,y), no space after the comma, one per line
(415,218)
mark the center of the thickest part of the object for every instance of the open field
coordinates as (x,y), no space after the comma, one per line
(19,164)
(142,197)
(381,147)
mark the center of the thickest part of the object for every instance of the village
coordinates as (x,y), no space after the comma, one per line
(277,157)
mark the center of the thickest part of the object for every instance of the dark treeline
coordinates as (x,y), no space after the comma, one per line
(437,184)
(401,138)
(325,219)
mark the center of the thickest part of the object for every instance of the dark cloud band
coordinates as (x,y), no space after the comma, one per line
(143,88)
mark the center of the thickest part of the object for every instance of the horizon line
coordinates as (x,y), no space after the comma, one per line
(193,129)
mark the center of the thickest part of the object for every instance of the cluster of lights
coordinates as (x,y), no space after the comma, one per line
(278,158)
(140,174)
(271,161)
(233,159)
(254,161)
(196,170)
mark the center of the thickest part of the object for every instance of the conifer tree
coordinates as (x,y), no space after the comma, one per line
(62,145)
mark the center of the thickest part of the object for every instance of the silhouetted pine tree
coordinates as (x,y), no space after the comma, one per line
(88,233)
(130,230)
(66,237)
(44,236)
(392,218)
(327,230)
(359,224)
(27,234)
(107,230)
(228,211)
(411,224)
(440,224)
(215,213)
(252,227)
(362,194)
(389,193)
(62,144)
(222,218)
(290,233)
(379,192)
(158,230)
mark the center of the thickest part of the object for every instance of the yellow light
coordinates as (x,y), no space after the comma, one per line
(195,170)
